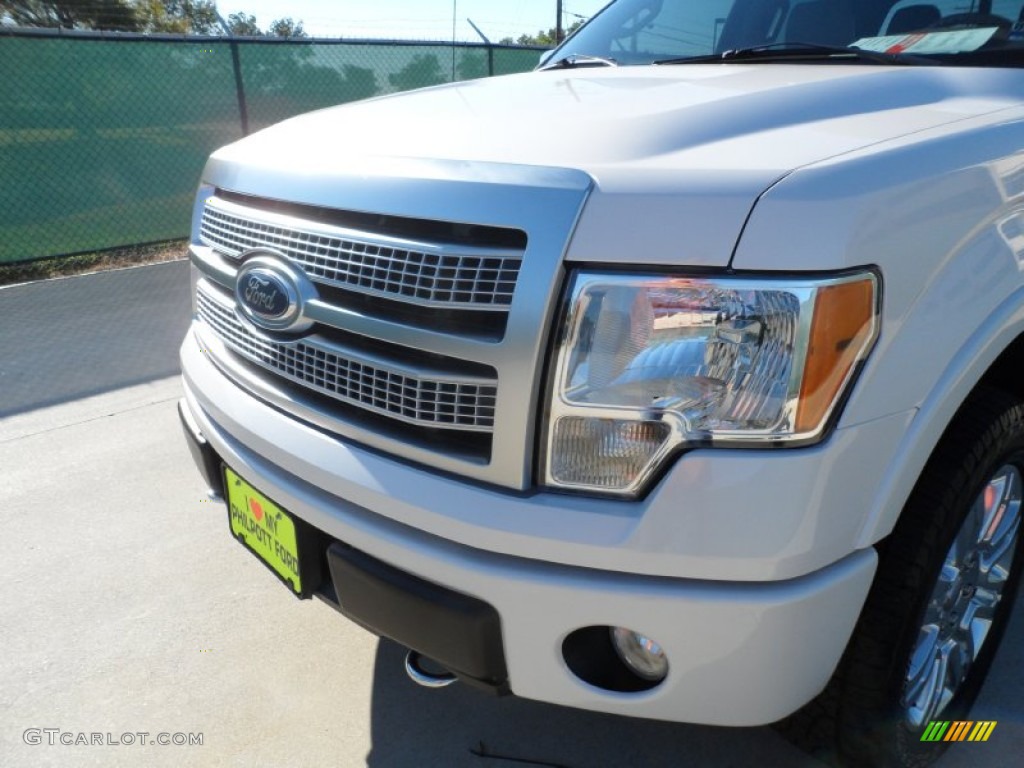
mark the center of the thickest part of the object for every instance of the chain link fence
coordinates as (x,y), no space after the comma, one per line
(103,137)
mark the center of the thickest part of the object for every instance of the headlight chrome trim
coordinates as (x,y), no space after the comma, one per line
(802,290)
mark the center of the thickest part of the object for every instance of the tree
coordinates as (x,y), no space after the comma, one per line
(187,17)
(542,38)
(243,24)
(286,27)
(72,14)
(184,17)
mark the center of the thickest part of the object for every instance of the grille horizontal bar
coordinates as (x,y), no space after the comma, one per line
(443,402)
(445,276)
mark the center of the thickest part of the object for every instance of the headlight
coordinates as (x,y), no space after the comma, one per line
(647,365)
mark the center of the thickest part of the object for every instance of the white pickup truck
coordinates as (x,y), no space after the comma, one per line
(682,378)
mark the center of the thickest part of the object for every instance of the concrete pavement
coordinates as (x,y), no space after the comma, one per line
(126,607)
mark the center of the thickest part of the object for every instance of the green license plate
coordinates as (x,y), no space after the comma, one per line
(264,528)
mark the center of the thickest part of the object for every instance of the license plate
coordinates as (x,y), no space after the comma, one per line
(265,528)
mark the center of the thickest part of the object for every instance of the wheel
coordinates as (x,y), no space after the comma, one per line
(941,599)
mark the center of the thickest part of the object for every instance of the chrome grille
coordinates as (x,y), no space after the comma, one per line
(445,276)
(445,402)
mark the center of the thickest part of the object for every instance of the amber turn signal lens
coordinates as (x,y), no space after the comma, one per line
(842,329)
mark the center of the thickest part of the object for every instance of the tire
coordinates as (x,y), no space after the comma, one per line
(952,565)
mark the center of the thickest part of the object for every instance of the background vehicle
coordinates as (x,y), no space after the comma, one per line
(687,389)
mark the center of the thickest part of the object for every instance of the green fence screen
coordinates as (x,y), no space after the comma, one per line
(102,138)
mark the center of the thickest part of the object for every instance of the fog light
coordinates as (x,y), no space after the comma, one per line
(640,653)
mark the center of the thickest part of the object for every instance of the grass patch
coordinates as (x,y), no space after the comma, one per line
(63,266)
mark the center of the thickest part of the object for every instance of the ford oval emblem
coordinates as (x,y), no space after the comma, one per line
(265,294)
(271,292)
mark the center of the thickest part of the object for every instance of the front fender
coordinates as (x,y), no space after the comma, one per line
(938,213)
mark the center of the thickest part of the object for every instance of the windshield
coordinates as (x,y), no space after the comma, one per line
(982,32)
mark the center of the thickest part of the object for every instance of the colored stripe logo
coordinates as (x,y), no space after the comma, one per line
(958,730)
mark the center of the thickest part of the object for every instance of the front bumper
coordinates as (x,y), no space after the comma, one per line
(740,652)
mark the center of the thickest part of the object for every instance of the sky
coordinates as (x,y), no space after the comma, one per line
(414,19)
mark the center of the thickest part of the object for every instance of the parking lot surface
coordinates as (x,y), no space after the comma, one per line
(127,608)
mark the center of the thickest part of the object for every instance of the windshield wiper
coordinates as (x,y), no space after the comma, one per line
(800,51)
(574,60)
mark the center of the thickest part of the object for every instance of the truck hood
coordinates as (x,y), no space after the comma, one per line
(650,138)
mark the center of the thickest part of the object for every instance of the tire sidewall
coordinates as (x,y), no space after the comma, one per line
(879,735)
(908,741)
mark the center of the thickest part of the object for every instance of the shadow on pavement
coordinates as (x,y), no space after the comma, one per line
(69,338)
(414,726)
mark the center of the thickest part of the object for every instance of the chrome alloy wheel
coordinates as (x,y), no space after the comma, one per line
(962,604)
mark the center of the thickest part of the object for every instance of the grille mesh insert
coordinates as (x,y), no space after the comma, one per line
(456,280)
(430,403)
